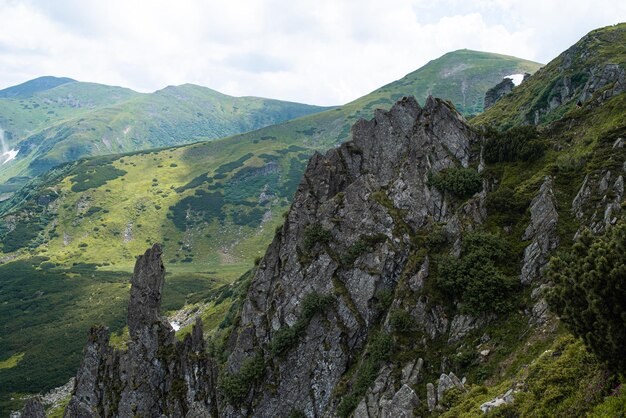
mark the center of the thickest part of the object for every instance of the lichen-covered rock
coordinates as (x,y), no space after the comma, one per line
(33,409)
(402,404)
(431,397)
(368,206)
(497,92)
(541,231)
(498,401)
(445,384)
(157,375)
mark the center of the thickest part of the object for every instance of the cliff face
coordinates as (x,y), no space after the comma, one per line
(157,375)
(496,92)
(348,238)
(365,266)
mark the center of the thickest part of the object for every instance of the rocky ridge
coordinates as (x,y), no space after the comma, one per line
(352,195)
(157,375)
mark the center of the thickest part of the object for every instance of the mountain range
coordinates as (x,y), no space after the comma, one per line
(374,288)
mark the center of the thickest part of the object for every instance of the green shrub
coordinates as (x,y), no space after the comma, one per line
(613,405)
(380,349)
(384,298)
(504,201)
(314,303)
(287,337)
(461,182)
(476,278)
(400,320)
(92,176)
(235,386)
(315,234)
(588,293)
(519,143)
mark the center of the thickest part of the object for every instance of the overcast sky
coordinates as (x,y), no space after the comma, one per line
(314,51)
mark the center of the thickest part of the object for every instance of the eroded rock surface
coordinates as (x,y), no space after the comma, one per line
(498,91)
(157,376)
(541,231)
(374,191)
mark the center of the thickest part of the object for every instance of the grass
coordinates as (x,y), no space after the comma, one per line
(11,361)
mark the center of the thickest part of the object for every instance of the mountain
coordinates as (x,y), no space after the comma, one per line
(76,120)
(36,85)
(72,233)
(410,277)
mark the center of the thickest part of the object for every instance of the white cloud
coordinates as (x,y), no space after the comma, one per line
(315,51)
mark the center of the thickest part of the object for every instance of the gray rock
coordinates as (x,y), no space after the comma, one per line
(542,231)
(498,91)
(445,384)
(456,381)
(498,401)
(350,191)
(431,398)
(411,372)
(157,375)
(33,408)
(402,404)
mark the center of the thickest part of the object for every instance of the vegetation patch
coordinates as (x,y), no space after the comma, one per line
(235,386)
(93,175)
(287,337)
(520,143)
(461,182)
(588,293)
(315,234)
(379,351)
(476,278)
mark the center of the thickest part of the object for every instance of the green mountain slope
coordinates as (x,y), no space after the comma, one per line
(214,205)
(77,120)
(23,116)
(31,87)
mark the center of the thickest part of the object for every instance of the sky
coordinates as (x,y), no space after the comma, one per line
(323,52)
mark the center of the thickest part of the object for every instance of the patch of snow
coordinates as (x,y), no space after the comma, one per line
(10,155)
(175,325)
(516,78)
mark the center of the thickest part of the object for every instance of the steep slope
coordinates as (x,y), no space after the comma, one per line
(591,71)
(78,120)
(348,239)
(410,256)
(399,268)
(214,205)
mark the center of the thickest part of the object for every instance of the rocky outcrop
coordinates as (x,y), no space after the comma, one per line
(498,401)
(347,236)
(158,375)
(541,231)
(598,202)
(498,91)
(33,409)
(382,400)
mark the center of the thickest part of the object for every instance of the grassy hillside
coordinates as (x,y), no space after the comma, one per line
(558,87)
(77,120)
(31,87)
(214,205)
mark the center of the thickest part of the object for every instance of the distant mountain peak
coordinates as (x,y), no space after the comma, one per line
(33,86)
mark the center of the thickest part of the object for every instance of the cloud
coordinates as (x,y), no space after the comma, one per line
(314,51)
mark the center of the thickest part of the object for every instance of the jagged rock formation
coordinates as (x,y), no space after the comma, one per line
(542,231)
(32,409)
(498,91)
(598,201)
(157,376)
(373,189)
